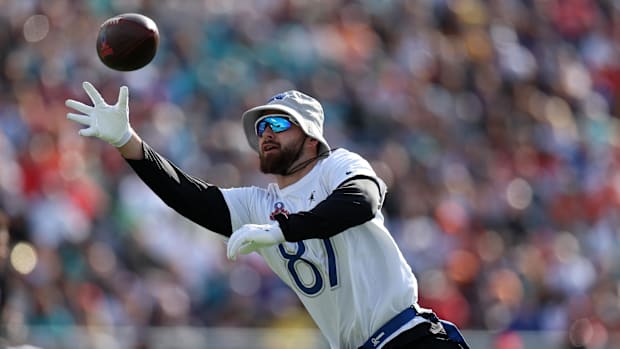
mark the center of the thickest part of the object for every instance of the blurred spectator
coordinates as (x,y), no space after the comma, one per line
(4,261)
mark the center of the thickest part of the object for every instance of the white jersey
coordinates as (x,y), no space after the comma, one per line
(352,283)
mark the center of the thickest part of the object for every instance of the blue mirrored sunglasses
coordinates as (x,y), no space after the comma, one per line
(277,123)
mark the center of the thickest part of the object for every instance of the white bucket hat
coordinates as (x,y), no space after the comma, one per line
(305,110)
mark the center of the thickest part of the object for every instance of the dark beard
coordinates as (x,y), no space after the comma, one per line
(279,164)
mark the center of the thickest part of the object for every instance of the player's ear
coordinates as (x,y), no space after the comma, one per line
(312,143)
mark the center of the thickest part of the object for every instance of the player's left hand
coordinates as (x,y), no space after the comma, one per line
(251,237)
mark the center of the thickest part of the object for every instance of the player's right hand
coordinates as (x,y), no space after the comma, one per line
(107,122)
(251,237)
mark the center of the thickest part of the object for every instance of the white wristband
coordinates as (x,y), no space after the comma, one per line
(124,139)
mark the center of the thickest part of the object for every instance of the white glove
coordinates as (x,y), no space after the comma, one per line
(251,237)
(107,122)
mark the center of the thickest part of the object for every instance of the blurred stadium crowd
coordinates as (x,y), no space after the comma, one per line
(493,122)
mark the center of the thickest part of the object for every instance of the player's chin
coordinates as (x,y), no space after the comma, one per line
(270,163)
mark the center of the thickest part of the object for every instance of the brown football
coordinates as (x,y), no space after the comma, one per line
(127,42)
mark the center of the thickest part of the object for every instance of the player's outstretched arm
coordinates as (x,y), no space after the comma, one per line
(193,198)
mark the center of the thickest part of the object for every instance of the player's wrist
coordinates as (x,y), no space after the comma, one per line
(282,223)
(123,139)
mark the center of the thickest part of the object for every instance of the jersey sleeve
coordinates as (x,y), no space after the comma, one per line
(343,165)
(241,202)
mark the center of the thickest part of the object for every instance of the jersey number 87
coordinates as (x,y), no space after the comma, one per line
(292,260)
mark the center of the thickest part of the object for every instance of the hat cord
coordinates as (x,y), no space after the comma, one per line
(305,163)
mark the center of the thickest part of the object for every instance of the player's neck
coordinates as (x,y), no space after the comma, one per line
(285,181)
